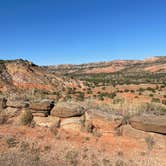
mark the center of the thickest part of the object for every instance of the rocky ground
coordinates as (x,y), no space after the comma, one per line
(98,114)
(68,133)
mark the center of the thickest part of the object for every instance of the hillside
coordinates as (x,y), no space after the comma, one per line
(109,113)
(23,78)
(154,64)
(84,81)
(151,70)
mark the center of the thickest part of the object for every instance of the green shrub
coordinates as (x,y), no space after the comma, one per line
(111,95)
(126,90)
(164,102)
(81,96)
(151,95)
(156,100)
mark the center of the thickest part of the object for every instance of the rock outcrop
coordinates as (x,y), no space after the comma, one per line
(42,108)
(149,123)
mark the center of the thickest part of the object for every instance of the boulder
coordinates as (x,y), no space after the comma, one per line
(66,110)
(128,131)
(74,123)
(47,121)
(17,104)
(149,123)
(44,105)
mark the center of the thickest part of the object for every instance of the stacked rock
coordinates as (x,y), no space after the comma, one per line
(71,114)
(42,108)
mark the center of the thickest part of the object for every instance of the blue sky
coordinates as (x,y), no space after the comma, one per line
(79,31)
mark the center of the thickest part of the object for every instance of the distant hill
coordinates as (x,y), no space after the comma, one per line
(150,70)
(27,78)
(153,64)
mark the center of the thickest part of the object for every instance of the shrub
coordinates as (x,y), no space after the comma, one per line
(101,98)
(140,93)
(132,91)
(71,157)
(150,142)
(81,96)
(126,90)
(11,142)
(164,102)
(120,162)
(111,95)
(89,91)
(118,100)
(103,88)
(151,95)
(156,100)
(3,118)
(141,89)
(26,117)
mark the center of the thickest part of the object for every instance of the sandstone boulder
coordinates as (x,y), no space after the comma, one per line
(149,123)
(128,131)
(42,108)
(65,110)
(74,123)
(17,104)
(47,121)
(44,105)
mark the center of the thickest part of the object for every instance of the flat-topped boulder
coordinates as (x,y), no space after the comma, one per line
(149,123)
(44,105)
(17,103)
(67,109)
